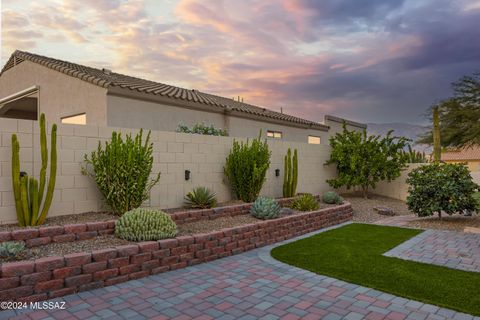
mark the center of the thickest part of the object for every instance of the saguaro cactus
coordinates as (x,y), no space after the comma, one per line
(28,193)
(290,174)
(437,152)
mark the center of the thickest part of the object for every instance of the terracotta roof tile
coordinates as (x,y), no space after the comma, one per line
(111,79)
(472,153)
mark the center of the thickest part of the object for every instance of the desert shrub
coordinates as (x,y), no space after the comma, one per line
(331,197)
(305,202)
(11,250)
(201,128)
(145,224)
(122,170)
(246,167)
(201,198)
(265,208)
(437,188)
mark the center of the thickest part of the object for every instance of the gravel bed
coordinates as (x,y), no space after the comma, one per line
(363,208)
(66,219)
(60,249)
(454,222)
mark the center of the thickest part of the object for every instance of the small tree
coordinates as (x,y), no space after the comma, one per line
(364,160)
(440,187)
(122,171)
(246,167)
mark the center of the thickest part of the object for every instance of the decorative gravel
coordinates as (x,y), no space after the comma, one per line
(205,226)
(455,222)
(60,249)
(67,219)
(363,208)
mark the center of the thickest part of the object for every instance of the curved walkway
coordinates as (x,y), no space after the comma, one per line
(251,285)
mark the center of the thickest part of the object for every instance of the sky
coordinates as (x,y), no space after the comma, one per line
(367,60)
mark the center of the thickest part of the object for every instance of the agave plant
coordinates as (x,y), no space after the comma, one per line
(201,198)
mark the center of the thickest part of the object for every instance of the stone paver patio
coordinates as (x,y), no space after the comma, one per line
(451,249)
(247,286)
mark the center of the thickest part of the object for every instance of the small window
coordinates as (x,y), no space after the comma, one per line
(314,140)
(76,119)
(274,134)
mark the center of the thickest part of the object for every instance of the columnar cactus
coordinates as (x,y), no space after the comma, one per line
(28,193)
(290,174)
(437,152)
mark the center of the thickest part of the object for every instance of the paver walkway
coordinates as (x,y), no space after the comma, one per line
(247,286)
(451,249)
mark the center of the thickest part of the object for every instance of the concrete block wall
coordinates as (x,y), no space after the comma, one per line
(174,153)
(398,188)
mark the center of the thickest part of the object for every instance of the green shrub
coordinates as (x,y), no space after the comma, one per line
(246,167)
(122,171)
(265,208)
(201,128)
(331,197)
(437,188)
(305,202)
(201,198)
(145,224)
(11,250)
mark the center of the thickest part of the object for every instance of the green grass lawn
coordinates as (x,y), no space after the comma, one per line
(353,253)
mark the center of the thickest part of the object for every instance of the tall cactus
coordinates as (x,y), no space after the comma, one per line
(28,193)
(290,175)
(437,152)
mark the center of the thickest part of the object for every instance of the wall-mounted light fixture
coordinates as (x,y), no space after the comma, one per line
(277,172)
(187,175)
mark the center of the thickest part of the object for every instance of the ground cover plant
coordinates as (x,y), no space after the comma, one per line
(353,253)
(122,171)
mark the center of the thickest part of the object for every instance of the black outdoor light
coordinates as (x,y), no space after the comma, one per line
(187,175)
(277,172)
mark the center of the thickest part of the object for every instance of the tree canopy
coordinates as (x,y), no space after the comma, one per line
(364,160)
(459,115)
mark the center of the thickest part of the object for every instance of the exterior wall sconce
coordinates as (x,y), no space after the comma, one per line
(277,172)
(187,175)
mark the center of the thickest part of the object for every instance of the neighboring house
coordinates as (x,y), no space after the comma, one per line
(71,93)
(470,156)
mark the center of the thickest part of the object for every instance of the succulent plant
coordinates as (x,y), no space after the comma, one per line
(265,208)
(201,197)
(10,250)
(331,197)
(145,224)
(305,202)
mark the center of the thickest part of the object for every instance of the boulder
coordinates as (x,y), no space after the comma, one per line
(386,211)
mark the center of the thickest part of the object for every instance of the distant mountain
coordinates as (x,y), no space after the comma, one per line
(410,131)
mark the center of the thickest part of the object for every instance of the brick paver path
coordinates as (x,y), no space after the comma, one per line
(451,249)
(247,286)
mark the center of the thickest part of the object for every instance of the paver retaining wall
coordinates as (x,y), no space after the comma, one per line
(51,277)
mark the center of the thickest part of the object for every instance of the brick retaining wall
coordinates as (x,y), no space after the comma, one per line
(52,277)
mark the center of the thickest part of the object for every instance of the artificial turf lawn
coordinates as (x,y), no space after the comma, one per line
(353,253)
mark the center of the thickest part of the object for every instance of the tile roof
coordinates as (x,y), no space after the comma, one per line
(472,153)
(107,79)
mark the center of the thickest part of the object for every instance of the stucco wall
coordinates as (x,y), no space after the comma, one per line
(398,188)
(60,95)
(204,156)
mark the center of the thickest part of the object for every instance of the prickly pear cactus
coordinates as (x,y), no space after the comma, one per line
(145,224)
(265,208)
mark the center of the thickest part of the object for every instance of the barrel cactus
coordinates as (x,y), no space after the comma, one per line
(265,208)
(145,224)
(331,197)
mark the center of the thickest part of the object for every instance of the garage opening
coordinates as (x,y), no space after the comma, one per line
(21,105)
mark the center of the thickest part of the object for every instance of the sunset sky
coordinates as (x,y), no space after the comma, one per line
(367,60)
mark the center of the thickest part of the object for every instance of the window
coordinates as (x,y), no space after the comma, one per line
(274,134)
(313,140)
(76,119)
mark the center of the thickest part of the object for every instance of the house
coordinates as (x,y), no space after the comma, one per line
(470,156)
(71,93)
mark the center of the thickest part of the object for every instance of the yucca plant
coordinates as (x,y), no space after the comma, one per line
(201,198)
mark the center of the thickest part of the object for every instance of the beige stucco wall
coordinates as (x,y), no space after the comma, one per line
(398,188)
(60,95)
(204,156)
